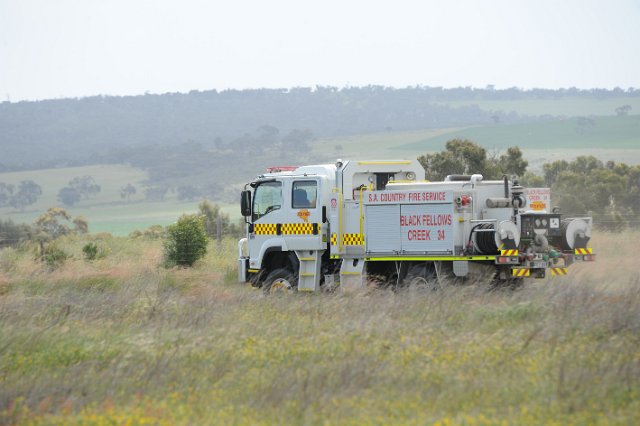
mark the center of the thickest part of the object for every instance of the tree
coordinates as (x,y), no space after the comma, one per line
(632,199)
(469,153)
(440,164)
(68,196)
(585,164)
(623,110)
(186,241)
(512,162)
(268,135)
(216,223)
(297,141)
(579,193)
(12,234)
(156,193)
(188,193)
(584,123)
(127,191)
(27,194)
(532,180)
(81,226)
(461,156)
(85,186)
(552,170)
(57,222)
(587,185)
(6,192)
(78,188)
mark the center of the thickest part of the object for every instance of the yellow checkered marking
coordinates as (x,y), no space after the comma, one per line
(297,228)
(520,272)
(559,271)
(513,252)
(264,228)
(352,239)
(581,251)
(334,239)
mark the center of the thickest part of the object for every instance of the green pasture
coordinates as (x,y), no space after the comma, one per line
(107,212)
(608,138)
(574,133)
(566,106)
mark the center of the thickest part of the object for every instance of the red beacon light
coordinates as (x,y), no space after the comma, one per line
(278,169)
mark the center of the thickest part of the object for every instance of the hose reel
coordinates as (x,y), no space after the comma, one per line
(576,233)
(491,237)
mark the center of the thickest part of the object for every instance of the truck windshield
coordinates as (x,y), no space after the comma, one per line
(267,198)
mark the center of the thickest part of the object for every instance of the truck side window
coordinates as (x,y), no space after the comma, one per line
(267,198)
(304,194)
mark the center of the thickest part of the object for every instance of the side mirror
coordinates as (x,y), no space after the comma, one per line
(245,203)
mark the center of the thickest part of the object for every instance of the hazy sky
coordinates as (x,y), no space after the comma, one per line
(68,48)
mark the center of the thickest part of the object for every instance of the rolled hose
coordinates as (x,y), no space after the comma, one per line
(486,240)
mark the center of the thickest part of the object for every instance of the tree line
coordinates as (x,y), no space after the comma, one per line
(73,132)
(608,191)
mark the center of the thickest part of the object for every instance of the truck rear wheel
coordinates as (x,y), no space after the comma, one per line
(421,276)
(280,280)
(505,281)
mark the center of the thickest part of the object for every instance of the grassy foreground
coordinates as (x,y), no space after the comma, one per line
(123,341)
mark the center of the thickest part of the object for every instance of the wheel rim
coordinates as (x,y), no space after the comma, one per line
(419,282)
(280,285)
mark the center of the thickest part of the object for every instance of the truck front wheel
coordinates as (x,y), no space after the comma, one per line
(280,280)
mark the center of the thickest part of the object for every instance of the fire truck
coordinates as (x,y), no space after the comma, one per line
(360,221)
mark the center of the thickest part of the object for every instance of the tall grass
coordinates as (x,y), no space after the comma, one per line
(122,340)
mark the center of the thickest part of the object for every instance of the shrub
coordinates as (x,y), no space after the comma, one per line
(12,234)
(54,256)
(186,241)
(154,232)
(90,251)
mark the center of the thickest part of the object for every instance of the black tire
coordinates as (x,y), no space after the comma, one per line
(420,283)
(280,281)
(421,277)
(508,283)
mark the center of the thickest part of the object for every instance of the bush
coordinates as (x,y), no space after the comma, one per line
(154,232)
(186,241)
(12,234)
(91,251)
(54,256)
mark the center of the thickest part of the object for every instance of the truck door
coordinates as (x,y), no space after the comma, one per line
(303,231)
(266,215)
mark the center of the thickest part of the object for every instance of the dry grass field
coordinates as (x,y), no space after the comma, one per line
(123,341)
